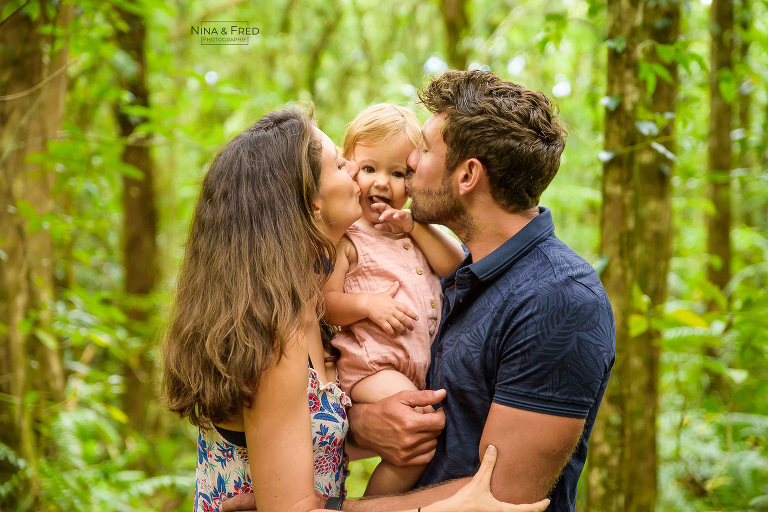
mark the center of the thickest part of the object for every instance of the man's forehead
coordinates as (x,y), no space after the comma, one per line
(433,126)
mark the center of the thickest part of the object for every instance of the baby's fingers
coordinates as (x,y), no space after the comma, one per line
(407,311)
(382,207)
(396,326)
(386,327)
(404,321)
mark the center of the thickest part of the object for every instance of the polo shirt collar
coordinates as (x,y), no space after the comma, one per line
(501,259)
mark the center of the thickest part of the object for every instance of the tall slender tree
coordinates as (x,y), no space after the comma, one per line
(719,143)
(636,234)
(718,220)
(139,213)
(607,472)
(33,83)
(655,165)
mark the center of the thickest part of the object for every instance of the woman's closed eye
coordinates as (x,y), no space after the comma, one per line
(342,164)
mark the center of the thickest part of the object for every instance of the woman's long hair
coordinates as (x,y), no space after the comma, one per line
(254,260)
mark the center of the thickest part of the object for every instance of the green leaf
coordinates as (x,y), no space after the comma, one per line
(664,151)
(638,324)
(666,52)
(99,338)
(640,300)
(647,128)
(714,365)
(737,375)
(718,482)
(661,71)
(26,210)
(47,339)
(617,44)
(117,414)
(606,156)
(687,317)
(610,102)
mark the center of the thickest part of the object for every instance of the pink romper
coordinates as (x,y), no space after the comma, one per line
(365,348)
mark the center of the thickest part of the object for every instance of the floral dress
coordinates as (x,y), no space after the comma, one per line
(222,465)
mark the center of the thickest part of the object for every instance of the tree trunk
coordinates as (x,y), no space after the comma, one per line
(32,85)
(751,207)
(653,256)
(456,24)
(718,222)
(609,487)
(139,221)
(719,146)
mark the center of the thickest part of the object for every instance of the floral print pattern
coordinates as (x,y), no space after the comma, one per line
(222,467)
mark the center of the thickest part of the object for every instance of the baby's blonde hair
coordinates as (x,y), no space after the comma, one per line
(378,123)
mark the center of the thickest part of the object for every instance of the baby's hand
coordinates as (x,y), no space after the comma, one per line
(392,219)
(392,316)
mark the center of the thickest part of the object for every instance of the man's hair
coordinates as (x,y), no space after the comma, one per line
(379,123)
(514,132)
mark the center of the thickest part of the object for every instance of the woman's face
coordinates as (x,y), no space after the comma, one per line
(338,200)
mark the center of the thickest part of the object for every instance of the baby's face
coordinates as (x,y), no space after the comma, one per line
(382,174)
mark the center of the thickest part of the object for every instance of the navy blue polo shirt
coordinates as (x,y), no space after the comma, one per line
(529,326)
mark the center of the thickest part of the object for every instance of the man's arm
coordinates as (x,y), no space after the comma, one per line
(533,449)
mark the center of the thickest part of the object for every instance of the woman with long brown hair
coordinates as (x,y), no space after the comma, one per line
(244,357)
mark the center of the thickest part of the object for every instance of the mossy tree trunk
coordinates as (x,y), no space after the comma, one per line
(636,234)
(718,220)
(33,83)
(139,219)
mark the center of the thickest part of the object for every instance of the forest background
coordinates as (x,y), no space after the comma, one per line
(110,112)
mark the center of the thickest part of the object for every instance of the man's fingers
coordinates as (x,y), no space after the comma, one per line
(242,502)
(421,398)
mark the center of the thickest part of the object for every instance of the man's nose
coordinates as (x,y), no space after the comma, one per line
(413,160)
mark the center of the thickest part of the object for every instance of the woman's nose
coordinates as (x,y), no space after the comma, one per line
(352,168)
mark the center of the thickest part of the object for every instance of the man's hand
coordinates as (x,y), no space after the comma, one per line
(392,316)
(393,429)
(240,503)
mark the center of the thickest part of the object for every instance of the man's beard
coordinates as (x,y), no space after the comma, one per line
(442,206)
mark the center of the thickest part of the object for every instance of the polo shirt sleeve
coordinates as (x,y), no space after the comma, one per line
(555,352)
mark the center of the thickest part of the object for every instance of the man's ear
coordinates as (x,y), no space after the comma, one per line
(469,175)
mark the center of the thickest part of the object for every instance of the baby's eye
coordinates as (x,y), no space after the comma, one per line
(398,174)
(369,169)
